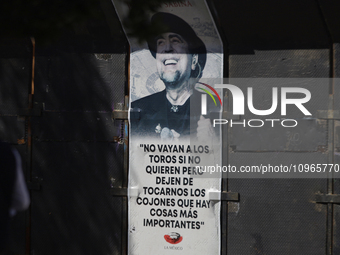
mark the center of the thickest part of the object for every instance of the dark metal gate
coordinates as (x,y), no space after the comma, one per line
(61,124)
(281,40)
(75,156)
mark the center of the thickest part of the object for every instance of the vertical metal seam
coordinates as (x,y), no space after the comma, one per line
(125,183)
(330,41)
(330,180)
(29,153)
(224,184)
(33,66)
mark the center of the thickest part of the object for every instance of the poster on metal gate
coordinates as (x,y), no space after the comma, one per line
(172,139)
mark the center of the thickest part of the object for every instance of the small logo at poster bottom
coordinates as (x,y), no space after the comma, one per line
(173,238)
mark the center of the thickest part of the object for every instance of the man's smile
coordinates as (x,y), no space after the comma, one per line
(170,62)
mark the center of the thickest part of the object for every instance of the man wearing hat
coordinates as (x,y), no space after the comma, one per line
(180,58)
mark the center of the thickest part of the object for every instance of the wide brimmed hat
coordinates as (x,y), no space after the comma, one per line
(169,23)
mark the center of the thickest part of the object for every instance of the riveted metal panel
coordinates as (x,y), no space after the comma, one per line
(276,216)
(76,157)
(74,208)
(75,126)
(309,134)
(80,82)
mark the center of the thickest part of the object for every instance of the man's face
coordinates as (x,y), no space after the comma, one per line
(173,59)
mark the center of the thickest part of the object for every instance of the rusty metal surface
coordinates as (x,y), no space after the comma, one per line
(119,192)
(327,198)
(230,196)
(328,114)
(120,114)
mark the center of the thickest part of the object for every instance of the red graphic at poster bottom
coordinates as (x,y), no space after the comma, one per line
(173,238)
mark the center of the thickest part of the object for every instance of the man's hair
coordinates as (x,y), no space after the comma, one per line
(173,24)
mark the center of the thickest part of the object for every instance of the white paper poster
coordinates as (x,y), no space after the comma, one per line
(172,138)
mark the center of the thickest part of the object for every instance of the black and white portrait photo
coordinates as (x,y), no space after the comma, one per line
(180,59)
